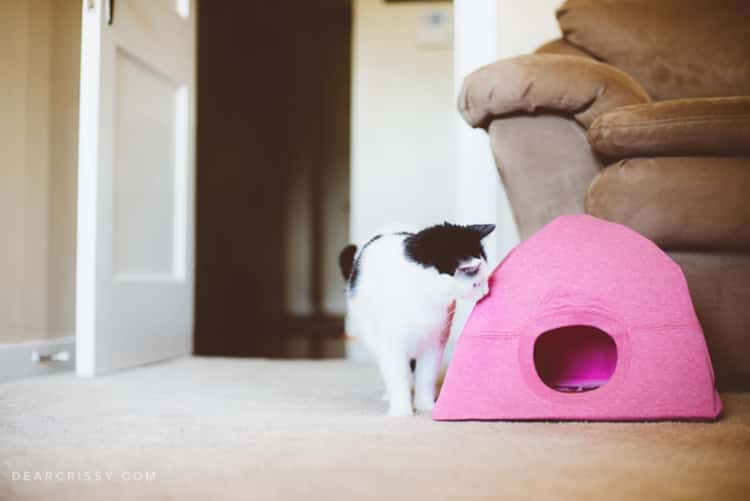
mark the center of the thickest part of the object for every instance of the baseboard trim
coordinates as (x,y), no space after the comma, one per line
(16,358)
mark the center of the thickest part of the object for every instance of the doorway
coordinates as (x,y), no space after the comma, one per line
(272,177)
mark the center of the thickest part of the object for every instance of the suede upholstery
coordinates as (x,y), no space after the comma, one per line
(685,203)
(639,115)
(536,82)
(674,48)
(702,126)
(562,47)
(542,183)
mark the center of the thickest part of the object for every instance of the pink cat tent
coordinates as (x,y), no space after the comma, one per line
(585,320)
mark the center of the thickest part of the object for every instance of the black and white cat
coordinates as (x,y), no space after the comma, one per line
(402,286)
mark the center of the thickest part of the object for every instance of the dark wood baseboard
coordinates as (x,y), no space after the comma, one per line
(282,337)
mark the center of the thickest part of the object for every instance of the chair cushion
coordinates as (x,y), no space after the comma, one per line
(703,126)
(681,203)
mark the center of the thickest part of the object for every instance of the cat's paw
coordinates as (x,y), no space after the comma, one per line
(400,411)
(424,403)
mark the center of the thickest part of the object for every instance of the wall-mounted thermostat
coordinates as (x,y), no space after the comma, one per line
(435,28)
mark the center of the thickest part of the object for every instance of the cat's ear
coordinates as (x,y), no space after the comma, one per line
(482,229)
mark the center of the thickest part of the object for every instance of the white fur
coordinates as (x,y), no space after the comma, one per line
(403,311)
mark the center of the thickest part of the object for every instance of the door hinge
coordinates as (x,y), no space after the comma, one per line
(110,11)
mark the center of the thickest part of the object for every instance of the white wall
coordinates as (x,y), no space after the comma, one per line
(39,52)
(63,167)
(479,192)
(403,107)
(524,26)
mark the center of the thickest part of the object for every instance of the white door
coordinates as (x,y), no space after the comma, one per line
(134,298)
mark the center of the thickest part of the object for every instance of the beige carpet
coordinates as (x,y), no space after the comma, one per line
(257,429)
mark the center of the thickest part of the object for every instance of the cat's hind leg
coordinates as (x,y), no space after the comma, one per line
(394,366)
(425,376)
(412,363)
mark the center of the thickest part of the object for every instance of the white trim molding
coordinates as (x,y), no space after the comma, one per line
(485,31)
(480,196)
(36,358)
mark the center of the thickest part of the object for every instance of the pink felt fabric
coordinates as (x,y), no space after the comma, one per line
(621,317)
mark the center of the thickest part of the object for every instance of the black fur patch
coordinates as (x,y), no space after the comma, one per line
(346,260)
(354,275)
(445,245)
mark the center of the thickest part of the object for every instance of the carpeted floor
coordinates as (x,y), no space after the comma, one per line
(263,430)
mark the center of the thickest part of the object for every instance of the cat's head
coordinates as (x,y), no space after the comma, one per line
(456,251)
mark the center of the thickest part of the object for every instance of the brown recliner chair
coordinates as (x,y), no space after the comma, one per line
(640,115)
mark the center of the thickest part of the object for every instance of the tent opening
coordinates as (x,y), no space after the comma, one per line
(575,358)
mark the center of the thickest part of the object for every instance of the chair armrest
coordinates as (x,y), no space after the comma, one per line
(574,86)
(680,127)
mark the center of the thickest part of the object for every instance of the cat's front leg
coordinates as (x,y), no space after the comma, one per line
(425,376)
(394,366)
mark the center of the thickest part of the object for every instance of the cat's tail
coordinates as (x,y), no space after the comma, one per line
(346,260)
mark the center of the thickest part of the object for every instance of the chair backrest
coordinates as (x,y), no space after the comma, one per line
(674,48)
